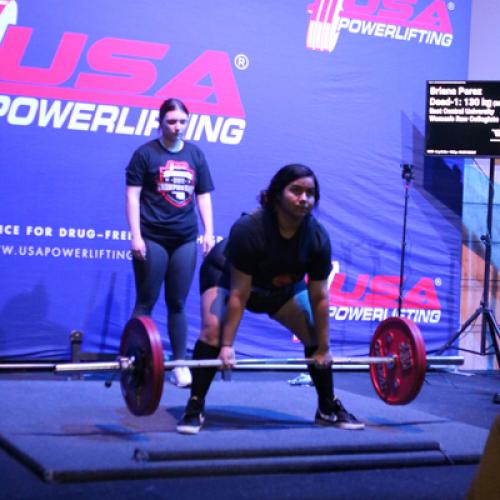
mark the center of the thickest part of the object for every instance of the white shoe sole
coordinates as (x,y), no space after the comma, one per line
(187,429)
(190,429)
(349,426)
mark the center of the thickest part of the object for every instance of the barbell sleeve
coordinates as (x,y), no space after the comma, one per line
(10,367)
(122,363)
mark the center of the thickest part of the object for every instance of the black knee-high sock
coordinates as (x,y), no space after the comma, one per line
(202,377)
(323,381)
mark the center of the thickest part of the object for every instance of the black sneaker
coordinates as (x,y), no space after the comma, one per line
(193,418)
(339,417)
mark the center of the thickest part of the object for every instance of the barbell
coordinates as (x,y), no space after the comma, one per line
(397,363)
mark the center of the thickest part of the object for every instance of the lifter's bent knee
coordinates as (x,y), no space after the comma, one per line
(210,334)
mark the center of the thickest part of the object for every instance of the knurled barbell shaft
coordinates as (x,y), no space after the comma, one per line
(216,363)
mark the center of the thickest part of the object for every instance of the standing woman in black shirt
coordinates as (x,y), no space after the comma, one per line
(261,267)
(165,177)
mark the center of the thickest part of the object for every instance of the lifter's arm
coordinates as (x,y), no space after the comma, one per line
(204,202)
(241,286)
(137,244)
(319,300)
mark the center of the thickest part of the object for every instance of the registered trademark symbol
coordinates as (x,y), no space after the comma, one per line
(241,62)
(438,281)
(451,5)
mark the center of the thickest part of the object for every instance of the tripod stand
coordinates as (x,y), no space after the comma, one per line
(484,310)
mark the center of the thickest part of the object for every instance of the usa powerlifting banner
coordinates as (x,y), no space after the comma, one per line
(336,84)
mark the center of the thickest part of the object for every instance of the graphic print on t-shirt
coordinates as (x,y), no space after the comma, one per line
(176,182)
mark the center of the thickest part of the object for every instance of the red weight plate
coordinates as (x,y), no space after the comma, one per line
(142,386)
(398,383)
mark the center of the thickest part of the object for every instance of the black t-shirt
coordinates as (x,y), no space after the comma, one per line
(256,247)
(168,182)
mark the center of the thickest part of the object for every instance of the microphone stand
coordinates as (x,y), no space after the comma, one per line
(407,175)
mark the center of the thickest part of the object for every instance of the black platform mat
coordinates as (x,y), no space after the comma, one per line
(79,430)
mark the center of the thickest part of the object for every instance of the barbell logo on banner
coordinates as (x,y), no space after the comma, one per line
(116,95)
(8,15)
(404,20)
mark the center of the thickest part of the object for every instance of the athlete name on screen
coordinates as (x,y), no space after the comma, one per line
(461,104)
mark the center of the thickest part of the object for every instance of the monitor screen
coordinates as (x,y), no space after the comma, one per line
(462,118)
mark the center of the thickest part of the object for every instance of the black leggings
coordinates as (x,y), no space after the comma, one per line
(173,266)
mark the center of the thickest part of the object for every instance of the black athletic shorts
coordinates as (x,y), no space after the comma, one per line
(215,272)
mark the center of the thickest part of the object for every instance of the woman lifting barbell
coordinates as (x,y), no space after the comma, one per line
(261,267)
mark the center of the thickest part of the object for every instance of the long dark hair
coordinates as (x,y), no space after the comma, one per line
(170,105)
(269,197)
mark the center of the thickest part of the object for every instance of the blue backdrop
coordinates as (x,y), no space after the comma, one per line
(338,85)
